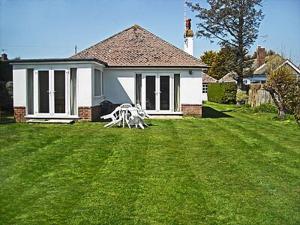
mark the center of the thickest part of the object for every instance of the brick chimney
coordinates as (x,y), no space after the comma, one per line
(260,55)
(188,38)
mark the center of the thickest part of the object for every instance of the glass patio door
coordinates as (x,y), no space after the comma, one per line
(52,92)
(157,92)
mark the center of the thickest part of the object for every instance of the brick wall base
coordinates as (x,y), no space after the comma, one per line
(191,109)
(89,113)
(19,114)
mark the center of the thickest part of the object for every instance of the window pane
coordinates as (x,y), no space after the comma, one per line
(138,88)
(150,92)
(44,91)
(30,91)
(176,92)
(204,88)
(97,82)
(73,93)
(59,91)
(164,92)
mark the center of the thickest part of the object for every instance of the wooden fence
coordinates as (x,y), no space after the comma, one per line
(258,96)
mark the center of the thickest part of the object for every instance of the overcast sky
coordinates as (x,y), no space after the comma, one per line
(51,28)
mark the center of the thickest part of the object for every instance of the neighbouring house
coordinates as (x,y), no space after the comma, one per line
(259,68)
(133,66)
(228,78)
(206,79)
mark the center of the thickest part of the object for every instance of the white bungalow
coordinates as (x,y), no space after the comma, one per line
(133,66)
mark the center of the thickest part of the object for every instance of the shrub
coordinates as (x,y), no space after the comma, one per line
(267,108)
(241,97)
(222,92)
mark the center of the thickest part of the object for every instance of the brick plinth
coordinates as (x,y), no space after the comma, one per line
(19,114)
(191,109)
(89,113)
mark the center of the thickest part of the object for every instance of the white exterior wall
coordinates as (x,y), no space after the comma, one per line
(119,84)
(189,45)
(204,97)
(19,87)
(84,87)
(191,87)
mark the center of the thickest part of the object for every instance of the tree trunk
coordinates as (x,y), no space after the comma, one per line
(280,106)
(239,83)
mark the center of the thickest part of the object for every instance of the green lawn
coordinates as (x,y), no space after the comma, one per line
(232,168)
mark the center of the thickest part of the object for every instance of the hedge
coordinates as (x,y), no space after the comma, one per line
(222,92)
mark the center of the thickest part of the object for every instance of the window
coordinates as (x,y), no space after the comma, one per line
(73,97)
(204,88)
(44,102)
(29,91)
(177,92)
(97,82)
(138,89)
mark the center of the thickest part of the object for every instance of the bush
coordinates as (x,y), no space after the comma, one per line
(222,92)
(241,97)
(266,108)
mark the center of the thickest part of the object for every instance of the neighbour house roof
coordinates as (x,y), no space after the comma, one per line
(263,68)
(260,70)
(228,78)
(291,65)
(137,47)
(208,79)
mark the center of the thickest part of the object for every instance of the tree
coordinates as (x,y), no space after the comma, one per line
(284,87)
(233,23)
(220,63)
(209,57)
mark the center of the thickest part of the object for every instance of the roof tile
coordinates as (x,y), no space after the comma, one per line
(137,47)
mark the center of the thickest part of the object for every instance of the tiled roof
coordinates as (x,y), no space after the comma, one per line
(208,79)
(228,78)
(137,47)
(260,70)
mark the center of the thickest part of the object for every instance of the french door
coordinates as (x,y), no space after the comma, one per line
(52,92)
(157,92)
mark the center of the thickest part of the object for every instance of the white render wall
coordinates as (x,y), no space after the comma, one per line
(191,87)
(189,45)
(204,97)
(84,87)
(119,84)
(19,87)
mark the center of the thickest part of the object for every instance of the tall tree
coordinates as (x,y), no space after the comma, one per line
(221,62)
(232,23)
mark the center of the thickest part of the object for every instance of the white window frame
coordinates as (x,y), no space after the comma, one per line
(94,83)
(204,88)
